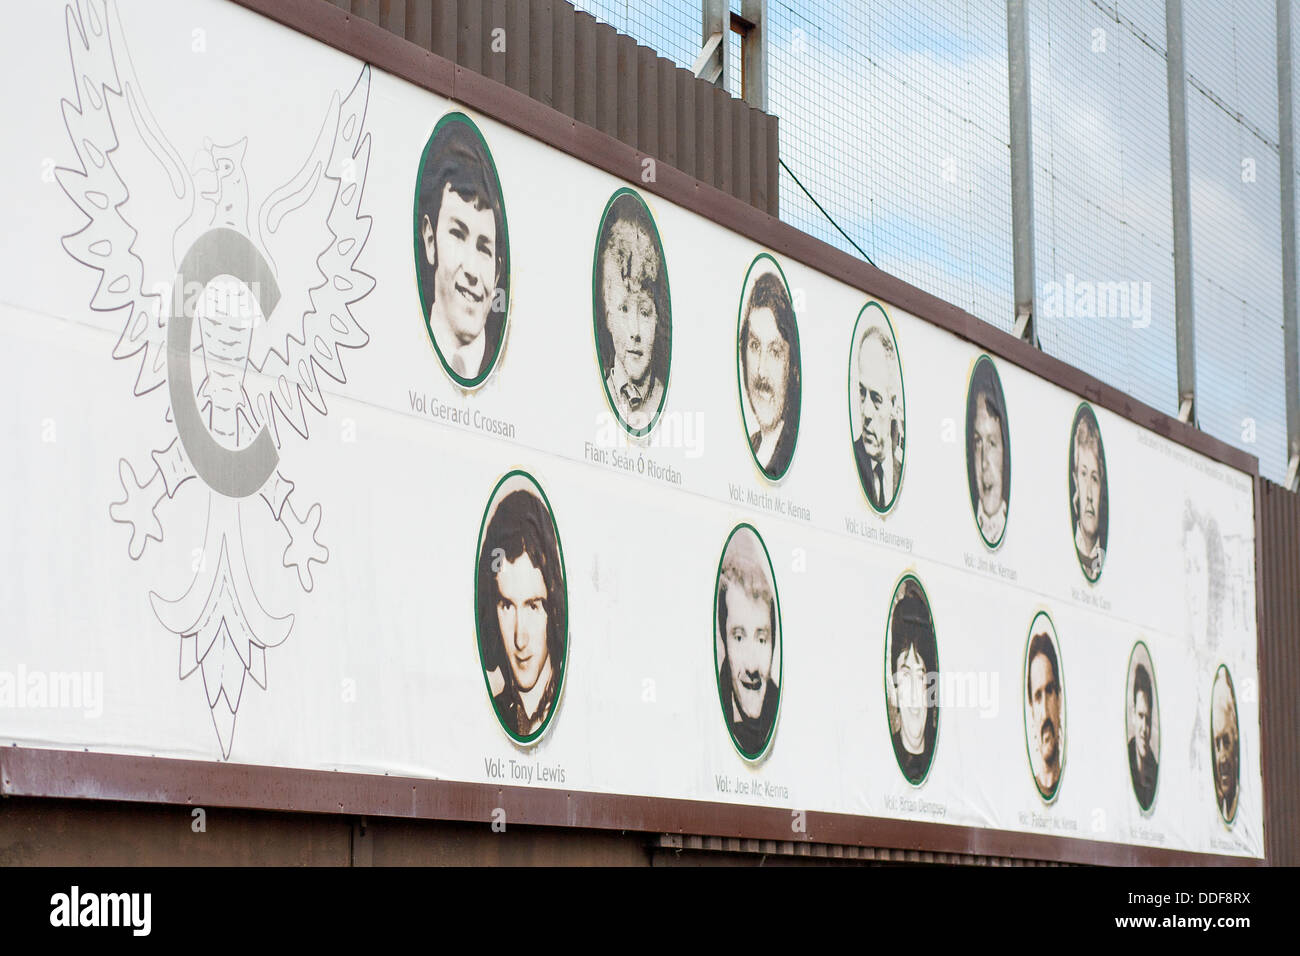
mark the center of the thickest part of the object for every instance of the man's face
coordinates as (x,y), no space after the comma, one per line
(749,644)
(461,247)
(910,680)
(1223,732)
(1045,708)
(1142,722)
(767,362)
(1087,478)
(987,448)
(631,318)
(876,398)
(1197,581)
(521,615)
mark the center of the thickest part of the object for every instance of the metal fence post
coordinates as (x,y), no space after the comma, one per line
(1286,151)
(1022,171)
(1179,178)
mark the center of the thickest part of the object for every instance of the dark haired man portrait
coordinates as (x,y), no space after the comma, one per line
(1043,687)
(769,358)
(1088,505)
(1225,741)
(749,631)
(522,612)
(878,448)
(633,312)
(462,258)
(913,683)
(1142,764)
(988,453)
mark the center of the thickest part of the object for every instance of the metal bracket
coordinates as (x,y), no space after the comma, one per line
(1292,482)
(708,65)
(1025,329)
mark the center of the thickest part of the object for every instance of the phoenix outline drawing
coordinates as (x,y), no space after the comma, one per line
(272,307)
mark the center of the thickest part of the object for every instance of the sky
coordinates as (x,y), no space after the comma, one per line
(894,116)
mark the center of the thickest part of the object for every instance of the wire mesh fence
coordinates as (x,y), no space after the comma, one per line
(895,145)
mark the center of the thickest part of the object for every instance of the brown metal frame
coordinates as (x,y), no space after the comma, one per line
(96,776)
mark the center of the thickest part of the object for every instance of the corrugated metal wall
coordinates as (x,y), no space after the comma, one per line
(1279,667)
(586,70)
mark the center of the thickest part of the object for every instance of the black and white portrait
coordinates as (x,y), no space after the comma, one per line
(912,680)
(877,413)
(768,366)
(1142,724)
(462,250)
(988,451)
(1044,704)
(1225,744)
(632,312)
(1089,496)
(521,606)
(747,642)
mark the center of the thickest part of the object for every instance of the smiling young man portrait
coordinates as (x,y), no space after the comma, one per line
(462,250)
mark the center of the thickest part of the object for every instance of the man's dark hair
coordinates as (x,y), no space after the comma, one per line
(769,292)
(984,383)
(1141,684)
(456,156)
(628,209)
(911,626)
(1041,643)
(520,525)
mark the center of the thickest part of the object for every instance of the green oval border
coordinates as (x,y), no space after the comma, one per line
(713,630)
(1227,821)
(1155,706)
(1048,799)
(536,735)
(974,505)
(468,384)
(1069,477)
(595,322)
(740,384)
(902,387)
(889,617)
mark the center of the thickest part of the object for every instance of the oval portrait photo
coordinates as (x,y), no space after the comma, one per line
(912,679)
(877,410)
(768,369)
(632,312)
(1142,726)
(1044,702)
(1089,497)
(747,642)
(988,451)
(521,607)
(462,250)
(1225,744)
